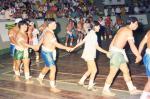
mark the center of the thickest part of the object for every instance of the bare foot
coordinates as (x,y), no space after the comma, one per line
(40,81)
(37,60)
(108,93)
(55,90)
(29,82)
(17,78)
(135,92)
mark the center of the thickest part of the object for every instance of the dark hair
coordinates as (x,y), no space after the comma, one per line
(27,20)
(45,19)
(96,23)
(23,22)
(87,20)
(50,20)
(131,19)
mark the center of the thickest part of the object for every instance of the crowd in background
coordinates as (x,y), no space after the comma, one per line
(35,9)
(74,10)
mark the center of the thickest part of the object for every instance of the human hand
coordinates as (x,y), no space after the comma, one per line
(108,54)
(35,48)
(138,59)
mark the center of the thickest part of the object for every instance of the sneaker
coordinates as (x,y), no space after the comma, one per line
(108,93)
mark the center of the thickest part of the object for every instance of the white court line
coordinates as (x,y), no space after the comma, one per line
(137,76)
(97,75)
(61,81)
(8,72)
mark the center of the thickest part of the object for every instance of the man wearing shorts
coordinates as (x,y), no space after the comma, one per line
(118,59)
(146,60)
(69,30)
(12,35)
(21,51)
(49,45)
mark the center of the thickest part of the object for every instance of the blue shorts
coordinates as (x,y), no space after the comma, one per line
(48,58)
(12,50)
(70,35)
(146,61)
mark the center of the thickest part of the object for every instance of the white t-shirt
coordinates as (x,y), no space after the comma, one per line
(89,52)
(34,34)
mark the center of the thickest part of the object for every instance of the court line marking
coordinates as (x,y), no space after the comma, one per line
(75,83)
(136,76)
(97,75)
(57,81)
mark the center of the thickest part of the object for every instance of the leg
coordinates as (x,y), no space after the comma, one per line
(71,41)
(66,40)
(92,65)
(127,78)
(110,77)
(146,92)
(14,64)
(37,56)
(26,71)
(42,74)
(52,79)
(87,73)
(17,73)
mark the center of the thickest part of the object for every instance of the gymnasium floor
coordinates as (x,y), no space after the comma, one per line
(70,69)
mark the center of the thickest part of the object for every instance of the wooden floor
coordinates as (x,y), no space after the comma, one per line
(70,69)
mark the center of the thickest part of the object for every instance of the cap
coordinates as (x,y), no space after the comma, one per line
(18,20)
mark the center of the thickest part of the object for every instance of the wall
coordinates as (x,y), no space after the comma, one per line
(4,39)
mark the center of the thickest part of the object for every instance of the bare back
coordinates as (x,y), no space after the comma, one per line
(121,38)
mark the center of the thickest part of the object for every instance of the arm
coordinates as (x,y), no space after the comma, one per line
(80,43)
(60,46)
(143,42)
(12,40)
(133,48)
(100,49)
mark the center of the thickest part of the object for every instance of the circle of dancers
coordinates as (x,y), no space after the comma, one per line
(24,37)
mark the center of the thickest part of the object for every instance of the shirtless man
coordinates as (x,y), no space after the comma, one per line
(89,55)
(49,45)
(12,36)
(80,33)
(118,59)
(69,29)
(146,60)
(21,51)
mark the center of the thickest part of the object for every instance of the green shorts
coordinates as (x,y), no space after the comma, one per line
(117,59)
(19,54)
